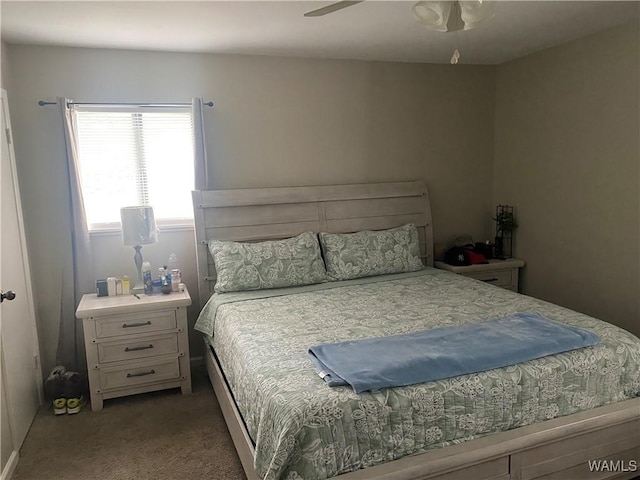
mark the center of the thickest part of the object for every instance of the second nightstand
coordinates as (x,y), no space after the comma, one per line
(501,273)
(135,345)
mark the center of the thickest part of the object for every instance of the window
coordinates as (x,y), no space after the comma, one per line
(135,156)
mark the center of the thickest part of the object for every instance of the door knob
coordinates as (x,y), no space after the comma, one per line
(10,295)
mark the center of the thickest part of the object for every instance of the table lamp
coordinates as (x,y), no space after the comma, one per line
(138,228)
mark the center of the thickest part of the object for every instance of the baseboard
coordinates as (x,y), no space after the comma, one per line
(9,468)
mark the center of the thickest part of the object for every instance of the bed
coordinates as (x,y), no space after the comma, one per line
(544,419)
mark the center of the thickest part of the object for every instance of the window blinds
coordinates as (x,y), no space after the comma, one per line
(135,156)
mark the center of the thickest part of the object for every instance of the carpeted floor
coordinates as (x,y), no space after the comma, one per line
(160,435)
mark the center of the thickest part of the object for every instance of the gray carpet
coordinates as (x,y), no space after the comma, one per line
(160,435)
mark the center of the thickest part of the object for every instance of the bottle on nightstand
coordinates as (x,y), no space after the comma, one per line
(126,286)
(146,278)
(174,270)
(175,279)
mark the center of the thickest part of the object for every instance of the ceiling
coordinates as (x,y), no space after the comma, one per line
(372,30)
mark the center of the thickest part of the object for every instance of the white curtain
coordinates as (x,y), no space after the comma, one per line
(200,151)
(77,276)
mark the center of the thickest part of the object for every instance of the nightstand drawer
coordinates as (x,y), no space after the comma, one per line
(132,324)
(124,376)
(499,278)
(140,348)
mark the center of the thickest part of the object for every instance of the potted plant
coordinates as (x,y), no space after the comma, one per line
(505,225)
(505,221)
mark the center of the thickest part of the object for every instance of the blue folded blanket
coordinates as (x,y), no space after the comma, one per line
(429,355)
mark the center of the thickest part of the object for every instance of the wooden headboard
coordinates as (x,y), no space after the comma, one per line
(249,215)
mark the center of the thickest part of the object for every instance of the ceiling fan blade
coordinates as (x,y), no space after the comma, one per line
(334,7)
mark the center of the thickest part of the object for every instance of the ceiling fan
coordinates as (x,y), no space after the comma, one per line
(442,16)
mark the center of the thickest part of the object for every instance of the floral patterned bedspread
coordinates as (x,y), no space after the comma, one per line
(304,429)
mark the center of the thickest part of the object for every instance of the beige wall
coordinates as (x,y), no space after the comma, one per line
(4,63)
(277,122)
(567,155)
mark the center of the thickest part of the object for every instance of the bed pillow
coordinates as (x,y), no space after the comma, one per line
(368,253)
(273,264)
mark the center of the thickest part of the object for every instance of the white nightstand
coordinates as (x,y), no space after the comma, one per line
(501,273)
(135,345)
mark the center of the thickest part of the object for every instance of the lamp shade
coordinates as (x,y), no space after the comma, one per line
(138,226)
(450,16)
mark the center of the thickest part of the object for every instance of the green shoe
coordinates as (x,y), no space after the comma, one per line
(60,406)
(74,405)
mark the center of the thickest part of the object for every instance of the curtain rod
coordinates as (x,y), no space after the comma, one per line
(43,103)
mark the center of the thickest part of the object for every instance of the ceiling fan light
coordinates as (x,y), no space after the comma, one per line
(432,14)
(452,15)
(474,12)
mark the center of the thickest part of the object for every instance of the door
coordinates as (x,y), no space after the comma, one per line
(21,372)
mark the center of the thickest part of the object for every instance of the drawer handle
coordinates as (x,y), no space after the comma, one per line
(141,324)
(490,280)
(141,374)
(134,349)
